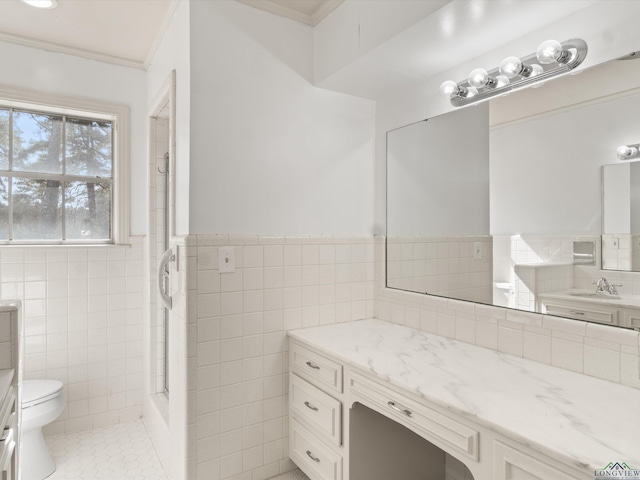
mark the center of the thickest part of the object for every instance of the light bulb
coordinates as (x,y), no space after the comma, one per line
(479,78)
(448,88)
(41,3)
(625,152)
(535,70)
(510,67)
(471,92)
(550,51)
(501,81)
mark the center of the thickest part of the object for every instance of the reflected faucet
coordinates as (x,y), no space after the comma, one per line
(603,286)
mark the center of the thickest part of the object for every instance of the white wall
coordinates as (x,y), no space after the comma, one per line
(438,175)
(173,54)
(68,75)
(358,27)
(271,153)
(423,100)
(546,175)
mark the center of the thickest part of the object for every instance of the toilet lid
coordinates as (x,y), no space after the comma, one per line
(35,392)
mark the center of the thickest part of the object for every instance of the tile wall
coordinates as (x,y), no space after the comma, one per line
(83,315)
(597,350)
(446,266)
(621,252)
(237,324)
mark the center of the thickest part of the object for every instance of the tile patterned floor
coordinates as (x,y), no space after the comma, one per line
(117,452)
(293,475)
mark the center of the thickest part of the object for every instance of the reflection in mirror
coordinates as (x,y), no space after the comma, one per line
(486,203)
(621,216)
(438,206)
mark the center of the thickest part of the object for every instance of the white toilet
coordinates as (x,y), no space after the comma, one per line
(42,403)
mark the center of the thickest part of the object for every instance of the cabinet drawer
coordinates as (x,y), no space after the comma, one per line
(512,464)
(315,368)
(579,312)
(7,445)
(316,409)
(7,408)
(315,458)
(630,318)
(428,423)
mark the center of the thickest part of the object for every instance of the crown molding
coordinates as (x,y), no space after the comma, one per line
(325,9)
(171,11)
(78,52)
(284,11)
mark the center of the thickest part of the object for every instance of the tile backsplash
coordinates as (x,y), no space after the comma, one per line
(459,266)
(237,341)
(598,350)
(82,313)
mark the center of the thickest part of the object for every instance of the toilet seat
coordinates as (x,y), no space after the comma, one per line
(35,392)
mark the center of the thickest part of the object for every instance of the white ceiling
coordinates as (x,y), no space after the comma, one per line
(116,31)
(124,32)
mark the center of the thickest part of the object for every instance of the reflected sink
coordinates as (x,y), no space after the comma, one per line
(590,294)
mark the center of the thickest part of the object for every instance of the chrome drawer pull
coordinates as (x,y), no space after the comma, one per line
(311,407)
(399,408)
(315,367)
(312,457)
(573,312)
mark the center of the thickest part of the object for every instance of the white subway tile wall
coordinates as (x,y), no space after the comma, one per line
(597,350)
(83,316)
(238,377)
(458,267)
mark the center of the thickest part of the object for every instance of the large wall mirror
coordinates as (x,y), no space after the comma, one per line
(502,203)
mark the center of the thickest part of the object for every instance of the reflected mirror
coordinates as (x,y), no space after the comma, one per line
(621,217)
(486,203)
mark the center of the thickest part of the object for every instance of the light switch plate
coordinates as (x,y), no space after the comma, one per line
(477,250)
(226,259)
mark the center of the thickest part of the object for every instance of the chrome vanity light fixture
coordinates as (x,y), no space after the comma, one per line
(553,58)
(629,152)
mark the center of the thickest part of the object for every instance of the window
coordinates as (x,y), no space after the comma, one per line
(60,174)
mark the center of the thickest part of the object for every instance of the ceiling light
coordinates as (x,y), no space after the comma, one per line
(515,73)
(41,3)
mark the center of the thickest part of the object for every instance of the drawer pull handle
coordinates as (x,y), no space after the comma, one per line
(312,456)
(311,407)
(311,365)
(575,312)
(399,408)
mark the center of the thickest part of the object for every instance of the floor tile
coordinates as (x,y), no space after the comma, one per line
(117,452)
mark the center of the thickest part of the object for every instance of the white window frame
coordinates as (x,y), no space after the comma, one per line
(84,107)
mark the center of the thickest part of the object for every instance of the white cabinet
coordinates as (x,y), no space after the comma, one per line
(588,312)
(601,310)
(8,425)
(315,427)
(441,430)
(350,422)
(512,464)
(313,456)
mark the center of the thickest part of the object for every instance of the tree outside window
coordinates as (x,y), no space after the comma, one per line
(56,178)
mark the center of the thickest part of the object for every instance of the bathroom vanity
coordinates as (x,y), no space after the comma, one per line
(502,416)
(10,372)
(619,310)
(8,424)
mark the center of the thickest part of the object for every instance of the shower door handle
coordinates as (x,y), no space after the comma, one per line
(164,277)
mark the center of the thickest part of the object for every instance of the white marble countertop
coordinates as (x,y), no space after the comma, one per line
(582,421)
(589,296)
